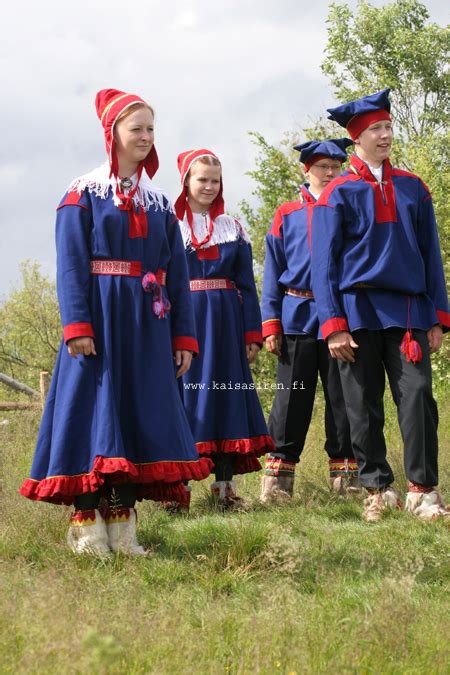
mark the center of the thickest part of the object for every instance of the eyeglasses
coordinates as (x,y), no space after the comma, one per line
(328,167)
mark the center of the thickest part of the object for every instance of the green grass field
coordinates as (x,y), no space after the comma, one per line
(306,588)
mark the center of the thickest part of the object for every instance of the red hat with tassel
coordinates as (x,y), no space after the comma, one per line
(110,103)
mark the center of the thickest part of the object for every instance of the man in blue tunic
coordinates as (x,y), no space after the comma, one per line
(380,290)
(291,331)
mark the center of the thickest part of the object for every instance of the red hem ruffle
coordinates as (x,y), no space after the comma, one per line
(247,451)
(160,481)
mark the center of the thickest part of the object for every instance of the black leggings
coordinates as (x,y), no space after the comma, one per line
(118,496)
(223,465)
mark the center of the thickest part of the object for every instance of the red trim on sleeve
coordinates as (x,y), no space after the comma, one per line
(333,326)
(72,199)
(181,342)
(74,330)
(272,327)
(253,336)
(444,318)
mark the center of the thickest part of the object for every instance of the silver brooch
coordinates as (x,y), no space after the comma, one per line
(125,183)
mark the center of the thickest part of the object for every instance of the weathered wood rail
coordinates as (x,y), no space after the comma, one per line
(38,397)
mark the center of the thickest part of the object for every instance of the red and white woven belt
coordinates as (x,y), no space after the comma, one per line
(212,284)
(124,268)
(301,293)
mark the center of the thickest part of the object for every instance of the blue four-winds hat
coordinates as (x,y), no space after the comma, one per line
(312,151)
(356,116)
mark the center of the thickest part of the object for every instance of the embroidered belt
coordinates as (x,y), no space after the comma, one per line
(211,284)
(124,268)
(301,293)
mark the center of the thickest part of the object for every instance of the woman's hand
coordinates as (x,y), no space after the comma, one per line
(252,351)
(273,344)
(183,359)
(81,345)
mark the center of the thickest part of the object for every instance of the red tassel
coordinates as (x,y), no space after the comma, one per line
(411,348)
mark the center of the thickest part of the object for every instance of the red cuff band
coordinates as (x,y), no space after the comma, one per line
(444,318)
(272,327)
(334,326)
(75,330)
(253,336)
(183,342)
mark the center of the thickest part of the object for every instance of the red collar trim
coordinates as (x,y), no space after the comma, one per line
(384,193)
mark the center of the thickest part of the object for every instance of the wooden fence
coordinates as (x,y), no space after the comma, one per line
(37,398)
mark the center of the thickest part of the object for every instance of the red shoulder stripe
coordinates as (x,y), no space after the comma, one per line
(72,199)
(401,172)
(284,210)
(325,195)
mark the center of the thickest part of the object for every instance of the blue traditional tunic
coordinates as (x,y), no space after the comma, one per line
(288,266)
(376,261)
(218,391)
(287,277)
(118,414)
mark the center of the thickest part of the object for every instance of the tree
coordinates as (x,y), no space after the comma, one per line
(392,46)
(30,327)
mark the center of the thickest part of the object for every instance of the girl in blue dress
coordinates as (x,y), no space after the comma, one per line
(114,425)
(218,391)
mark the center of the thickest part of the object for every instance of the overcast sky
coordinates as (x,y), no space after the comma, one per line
(213,71)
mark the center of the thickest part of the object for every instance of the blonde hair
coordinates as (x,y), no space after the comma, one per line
(209,160)
(131,109)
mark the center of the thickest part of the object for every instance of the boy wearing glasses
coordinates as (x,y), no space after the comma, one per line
(291,332)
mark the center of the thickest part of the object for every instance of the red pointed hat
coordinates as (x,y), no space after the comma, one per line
(110,103)
(185,161)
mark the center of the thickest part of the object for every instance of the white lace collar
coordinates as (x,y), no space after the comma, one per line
(98,182)
(225,229)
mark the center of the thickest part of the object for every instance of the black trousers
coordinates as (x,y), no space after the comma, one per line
(302,359)
(363,384)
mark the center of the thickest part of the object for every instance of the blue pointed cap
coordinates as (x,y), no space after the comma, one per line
(356,116)
(312,151)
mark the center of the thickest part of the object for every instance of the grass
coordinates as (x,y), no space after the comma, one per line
(305,588)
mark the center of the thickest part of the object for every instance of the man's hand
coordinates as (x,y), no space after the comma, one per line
(341,346)
(183,358)
(273,344)
(435,337)
(81,345)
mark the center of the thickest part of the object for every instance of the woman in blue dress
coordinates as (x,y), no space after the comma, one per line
(218,391)
(114,426)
